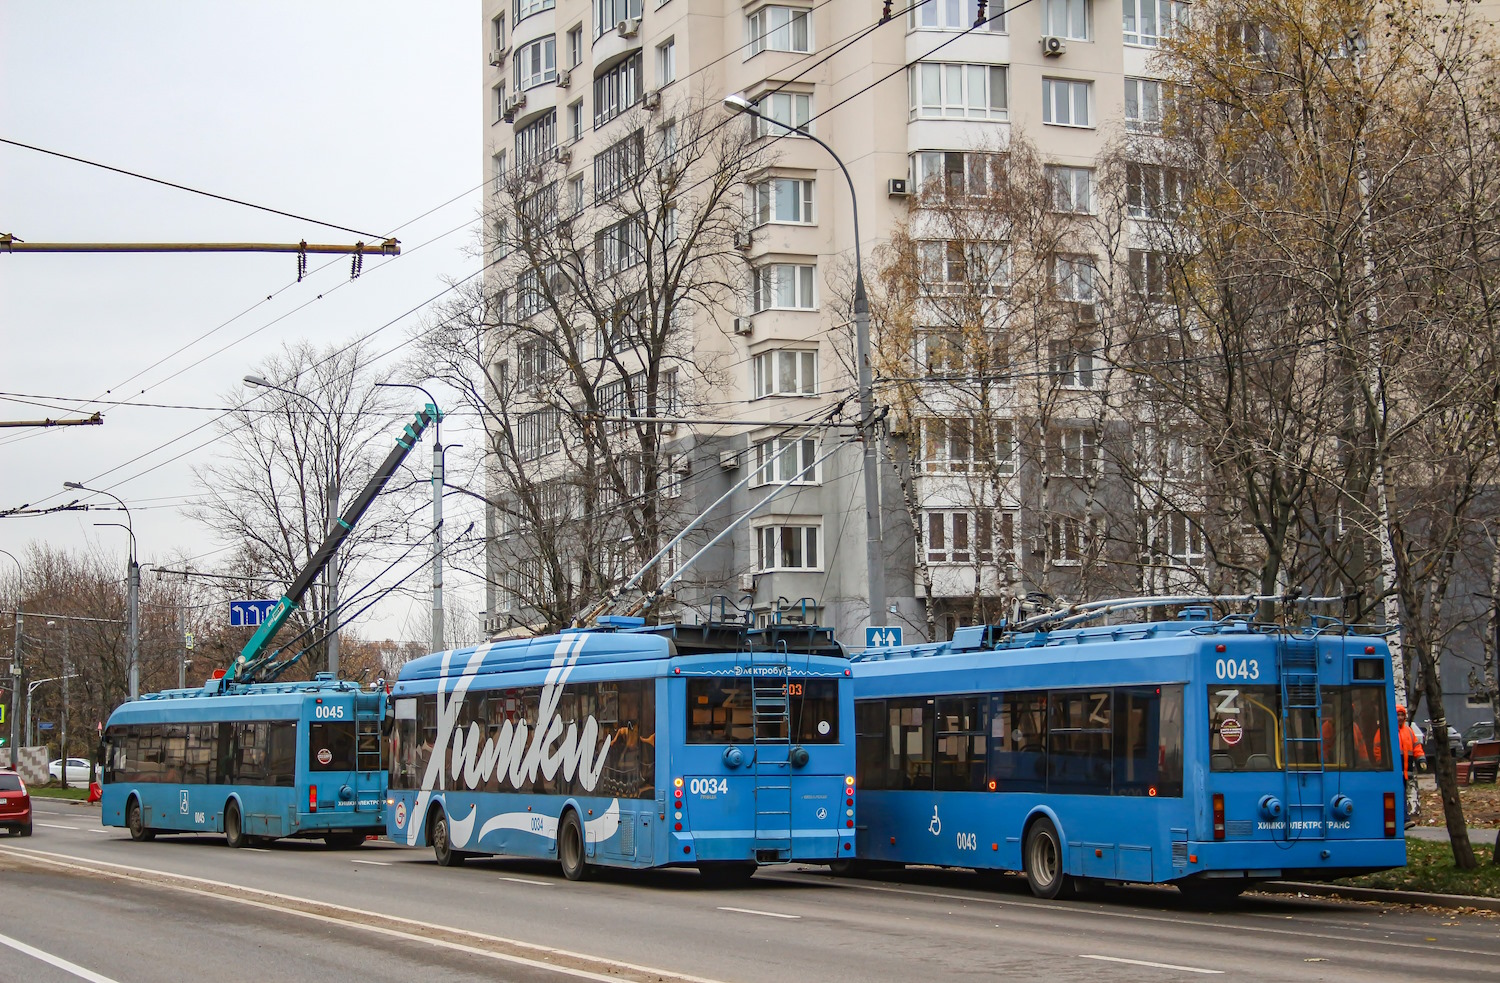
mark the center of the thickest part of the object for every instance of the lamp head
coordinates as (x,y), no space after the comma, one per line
(737,102)
(256,380)
(74,485)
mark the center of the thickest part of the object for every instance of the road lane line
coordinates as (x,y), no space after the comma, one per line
(91,830)
(1142,962)
(752,911)
(213,889)
(55,961)
(372,863)
(254,849)
(522,880)
(58,826)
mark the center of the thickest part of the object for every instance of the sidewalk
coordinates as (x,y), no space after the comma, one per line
(1439,834)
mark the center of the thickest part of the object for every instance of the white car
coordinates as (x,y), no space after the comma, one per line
(79,771)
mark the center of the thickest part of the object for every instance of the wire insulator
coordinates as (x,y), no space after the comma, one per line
(885,13)
(358,263)
(301,260)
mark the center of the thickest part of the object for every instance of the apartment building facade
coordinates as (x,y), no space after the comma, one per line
(588,94)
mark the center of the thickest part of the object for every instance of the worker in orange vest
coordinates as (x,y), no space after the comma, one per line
(1410,748)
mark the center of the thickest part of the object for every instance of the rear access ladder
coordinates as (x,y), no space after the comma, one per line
(771,706)
(1302,738)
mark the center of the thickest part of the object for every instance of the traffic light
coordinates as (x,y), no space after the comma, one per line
(2,713)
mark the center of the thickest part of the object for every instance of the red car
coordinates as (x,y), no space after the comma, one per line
(15,804)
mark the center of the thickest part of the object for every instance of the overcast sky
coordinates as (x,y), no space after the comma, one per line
(365,115)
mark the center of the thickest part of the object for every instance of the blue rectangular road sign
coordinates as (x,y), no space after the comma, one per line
(876,638)
(249,614)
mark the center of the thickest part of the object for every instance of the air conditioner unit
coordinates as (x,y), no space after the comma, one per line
(896,187)
(729,460)
(743,239)
(744,327)
(563,155)
(497,57)
(747,583)
(564,79)
(629,27)
(1087,314)
(1053,46)
(515,102)
(651,100)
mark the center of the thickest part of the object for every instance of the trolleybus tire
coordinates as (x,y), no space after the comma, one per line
(570,848)
(442,846)
(1213,893)
(727,873)
(344,841)
(137,826)
(234,828)
(1043,860)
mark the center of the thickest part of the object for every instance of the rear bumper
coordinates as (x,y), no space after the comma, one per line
(1309,859)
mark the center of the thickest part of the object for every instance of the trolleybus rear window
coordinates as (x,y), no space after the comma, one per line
(721,711)
(330,746)
(1345,731)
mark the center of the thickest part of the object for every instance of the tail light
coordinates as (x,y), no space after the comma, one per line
(1390,814)
(1218,816)
(312,798)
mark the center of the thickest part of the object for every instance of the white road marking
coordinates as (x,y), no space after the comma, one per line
(522,880)
(1142,962)
(372,863)
(214,890)
(255,849)
(58,826)
(752,911)
(98,831)
(55,961)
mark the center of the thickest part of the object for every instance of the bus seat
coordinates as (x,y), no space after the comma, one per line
(1259,762)
(1220,762)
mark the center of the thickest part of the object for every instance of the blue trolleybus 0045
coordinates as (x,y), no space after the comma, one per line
(251,761)
(718,747)
(1210,754)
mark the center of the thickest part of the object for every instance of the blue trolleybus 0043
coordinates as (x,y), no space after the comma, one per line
(1210,754)
(251,761)
(718,747)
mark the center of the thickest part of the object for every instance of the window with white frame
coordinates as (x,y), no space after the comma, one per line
(525,8)
(949,353)
(609,13)
(1065,536)
(499,93)
(1143,105)
(1066,19)
(1065,102)
(969,536)
(955,266)
(939,90)
(1070,365)
(792,110)
(497,168)
(788,547)
(530,298)
(617,166)
(784,459)
(782,286)
(666,62)
(669,140)
(966,445)
(1169,456)
(956,15)
(784,200)
(786,372)
(1148,275)
(577,196)
(1072,189)
(620,246)
(957,174)
(537,360)
(617,90)
(539,434)
(1073,277)
(538,210)
(497,32)
(1152,191)
(1071,452)
(1146,22)
(575,121)
(575,46)
(536,63)
(779,29)
(499,239)
(536,141)
(1179,540)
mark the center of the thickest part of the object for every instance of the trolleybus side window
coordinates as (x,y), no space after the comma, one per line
(870,744)
(201,754)
(1018,729)
(1148,741)
(1244,728)
(910,724)
(960,758)
(1078,741)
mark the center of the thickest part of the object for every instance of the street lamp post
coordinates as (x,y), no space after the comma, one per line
(874,548)
(133,597)
(331,571)
(63,741)
(15,665)
(438,644)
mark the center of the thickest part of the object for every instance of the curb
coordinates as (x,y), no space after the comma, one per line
(1380,894)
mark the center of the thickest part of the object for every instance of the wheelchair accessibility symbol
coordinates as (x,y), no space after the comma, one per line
(822,813)
(936,826)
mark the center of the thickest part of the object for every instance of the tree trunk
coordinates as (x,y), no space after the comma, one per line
(1447,774)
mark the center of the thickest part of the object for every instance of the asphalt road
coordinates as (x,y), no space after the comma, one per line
(190,908)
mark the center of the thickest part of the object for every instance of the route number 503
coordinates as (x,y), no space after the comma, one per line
(1237,669)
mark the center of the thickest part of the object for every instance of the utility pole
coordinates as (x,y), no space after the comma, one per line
(438,645)
(67,674)
(15,688)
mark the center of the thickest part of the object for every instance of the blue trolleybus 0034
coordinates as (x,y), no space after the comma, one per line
(1205,753)
(251,761)
(718,747)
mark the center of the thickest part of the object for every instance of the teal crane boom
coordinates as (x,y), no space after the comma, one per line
(257,655)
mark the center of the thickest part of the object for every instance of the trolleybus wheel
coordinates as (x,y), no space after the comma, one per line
(442,846)
(727,874)
(234,830)
(344,841)
(1215,893)
(570,851)
(1044,860)
(135,824)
